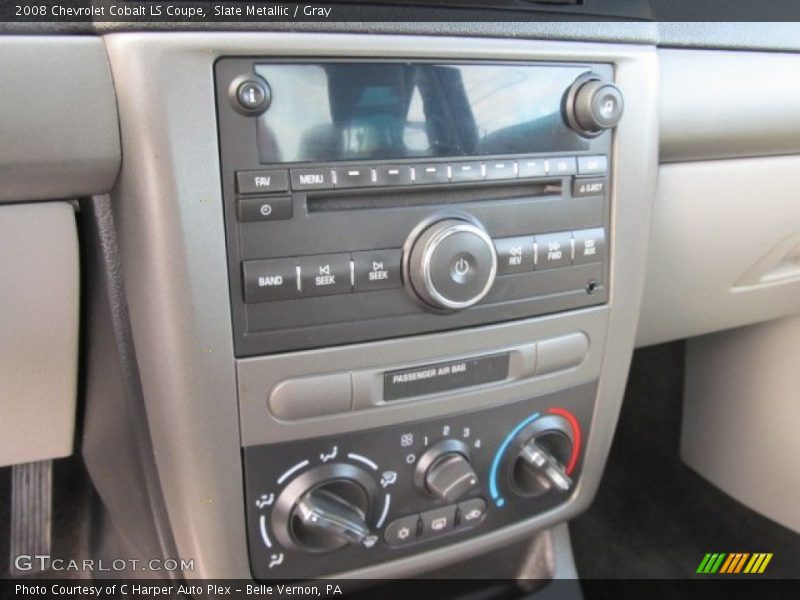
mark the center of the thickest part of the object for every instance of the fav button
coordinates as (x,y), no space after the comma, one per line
(553,250)
(325,275)
(401,531)
(376,270)
(261,182)
(438,521)
(265,209)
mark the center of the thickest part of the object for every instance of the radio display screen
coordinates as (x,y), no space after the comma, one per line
(332,111)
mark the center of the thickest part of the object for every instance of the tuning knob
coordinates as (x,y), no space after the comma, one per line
(542,450)
(445,472)
(452,264)
(325,509)
(593,105)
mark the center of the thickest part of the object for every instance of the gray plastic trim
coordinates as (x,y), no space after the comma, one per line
(59,130)
(172,243)
(740,415)
(726,104)
(40,294)
(716,224)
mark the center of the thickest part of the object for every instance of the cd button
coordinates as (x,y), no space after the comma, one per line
(563,165)
(468,171)
(553,250)
(589,245)
(430,173)
(376,270)
(532,167)
(500,169)
(393,175)
(261,182)
(514,255)
(269,280)
(325,275)
(350,177)
(312,179)
(265,209)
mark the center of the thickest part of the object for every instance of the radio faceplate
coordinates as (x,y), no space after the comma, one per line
(320,251)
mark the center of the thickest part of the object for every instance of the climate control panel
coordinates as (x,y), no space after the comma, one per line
(371,496)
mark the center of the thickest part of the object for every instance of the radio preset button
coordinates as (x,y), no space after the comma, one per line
(468,171)
(377,270)
(269,280)
(592,165)
(562,165)
(500,169)
(553,250)
(265,209)
(387,175)
(532,167)
(431,173)
(261,182)
(325,275)
(351,177)
(515,255)
(590,245)
(583,188)
(312,179)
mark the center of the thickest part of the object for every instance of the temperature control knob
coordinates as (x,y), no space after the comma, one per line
(542,451)
(445,472)
(325,509)
(452,264)
(593,105)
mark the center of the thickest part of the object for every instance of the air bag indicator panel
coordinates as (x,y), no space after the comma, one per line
(441,377)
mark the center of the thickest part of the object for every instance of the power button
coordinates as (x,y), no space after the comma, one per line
(453,264)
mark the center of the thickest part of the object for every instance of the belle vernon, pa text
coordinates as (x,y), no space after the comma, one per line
(213,590)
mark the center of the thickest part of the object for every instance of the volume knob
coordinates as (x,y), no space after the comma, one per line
(452,264)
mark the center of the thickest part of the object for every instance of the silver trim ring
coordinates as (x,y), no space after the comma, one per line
(427,255)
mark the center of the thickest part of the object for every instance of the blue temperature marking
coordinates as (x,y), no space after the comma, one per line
(500,502)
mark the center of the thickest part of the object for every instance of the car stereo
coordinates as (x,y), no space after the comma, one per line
(370,200)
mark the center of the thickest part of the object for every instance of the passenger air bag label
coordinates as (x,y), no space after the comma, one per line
(440,377)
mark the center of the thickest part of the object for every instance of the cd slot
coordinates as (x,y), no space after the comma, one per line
(394,198)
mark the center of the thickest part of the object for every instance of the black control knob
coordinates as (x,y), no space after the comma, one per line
(541,452)
(326,509)
(445,472)
(452,264)
(593,105)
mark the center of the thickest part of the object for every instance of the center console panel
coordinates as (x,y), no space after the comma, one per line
(373,200)
(520,272)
